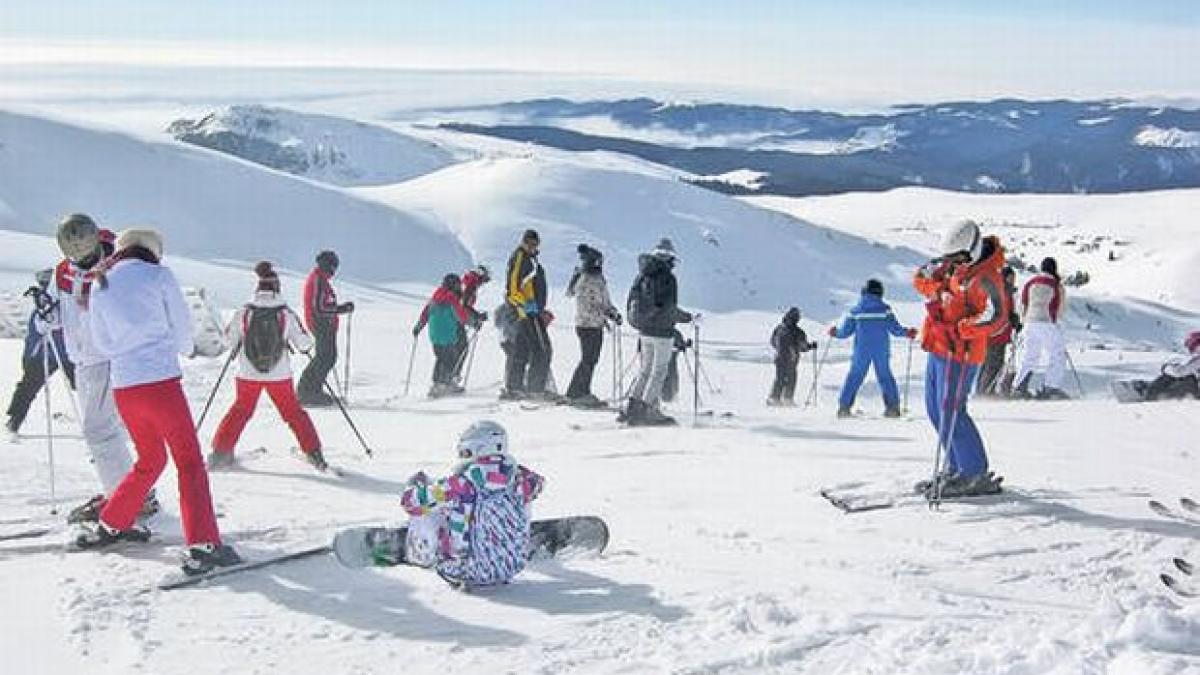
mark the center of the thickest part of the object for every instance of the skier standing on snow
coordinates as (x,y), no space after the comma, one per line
(321,315)
(993,364)
(446,316)
(1179,378)
(1043,303)
(789,341)
(872,324)
(472,279)
(141,322)
(652,308)
(86,247)
(527,367)
(593,311)
(965,305)
(44,325)
(472,526)
(265,331)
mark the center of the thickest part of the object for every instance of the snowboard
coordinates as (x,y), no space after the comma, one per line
(360,547)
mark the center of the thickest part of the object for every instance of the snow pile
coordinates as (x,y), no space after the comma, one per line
(732,255)
(323,148)
(1157,137)
(208,205)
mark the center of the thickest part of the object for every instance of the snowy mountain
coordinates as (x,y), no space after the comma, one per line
(209,205)
(1006,145)
(732,256)
(324,148)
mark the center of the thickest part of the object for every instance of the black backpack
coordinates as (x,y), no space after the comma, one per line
(639,307)
(264,336)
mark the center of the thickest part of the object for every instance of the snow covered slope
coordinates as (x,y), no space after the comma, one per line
(209,205)
(321,147)
(732,255)
(1139,250)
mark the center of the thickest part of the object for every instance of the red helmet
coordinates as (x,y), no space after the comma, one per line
(1192,341)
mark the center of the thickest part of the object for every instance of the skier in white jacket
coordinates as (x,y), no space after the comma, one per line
(1043,303)
(263,332)
(141,322)
(86,247)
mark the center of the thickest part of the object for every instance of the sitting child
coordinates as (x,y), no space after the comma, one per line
(473,526)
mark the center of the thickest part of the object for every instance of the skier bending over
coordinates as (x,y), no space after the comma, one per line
(262,333)
(871,321)
(445,315)
(1178,378)
(966,303)
(789,341)
(472,526)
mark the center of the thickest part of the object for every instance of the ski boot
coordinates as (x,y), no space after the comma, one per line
(587,402)
(788,402)
(202,558)
(317,459)
(654,417)
(634,413)
(893,412)
(95,534)
(220,461)
(773,403)
(981,484)
(511,395)
(844,413)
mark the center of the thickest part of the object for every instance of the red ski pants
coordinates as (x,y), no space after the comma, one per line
(157,417)
(283,395)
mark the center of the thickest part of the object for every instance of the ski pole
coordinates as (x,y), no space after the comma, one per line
(337,382)
(346,365)
(470,356)
(908,373)
(1078,382)
(620,362)
(707,382)
(62,367)
(49,433)
(412,356)
(695,379)
(353,427)
(213,394)
(948,446)
(811,399)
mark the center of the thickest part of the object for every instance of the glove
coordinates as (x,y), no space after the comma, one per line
(832,332)
(418,478)
(346,308)
(687,317)
(482,316)
(416,330)
(812,345)
(531,308)
(911,333)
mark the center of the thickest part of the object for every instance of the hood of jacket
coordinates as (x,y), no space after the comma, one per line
(652,265)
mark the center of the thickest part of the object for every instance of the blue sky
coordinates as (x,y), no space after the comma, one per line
(898,49)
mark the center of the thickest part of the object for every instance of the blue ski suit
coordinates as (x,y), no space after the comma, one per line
(872,324)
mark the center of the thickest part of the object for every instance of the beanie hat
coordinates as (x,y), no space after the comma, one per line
(145,238)
(591,258)
(530,235)
(268,280)
(328,261)
(874,287)
(792,315)
(1050,266)
(665,249)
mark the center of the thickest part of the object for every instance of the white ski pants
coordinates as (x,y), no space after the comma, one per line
(102,428)
(654,357)
(1043,338)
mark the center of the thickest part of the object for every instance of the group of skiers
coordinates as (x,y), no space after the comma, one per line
(114,319)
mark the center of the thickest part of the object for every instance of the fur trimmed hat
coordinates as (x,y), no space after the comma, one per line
(146,238)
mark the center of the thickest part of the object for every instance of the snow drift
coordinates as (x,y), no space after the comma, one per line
(733,256)
(208,205)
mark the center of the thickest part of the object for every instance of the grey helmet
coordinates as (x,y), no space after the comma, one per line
(79,238)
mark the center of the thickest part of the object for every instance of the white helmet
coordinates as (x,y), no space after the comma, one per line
(79,237)
(963,238)
(484,437)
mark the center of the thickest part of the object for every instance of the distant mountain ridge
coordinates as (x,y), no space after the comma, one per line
(1006,145)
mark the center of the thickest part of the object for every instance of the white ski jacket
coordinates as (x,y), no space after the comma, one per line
(141,322)
(593,306)
(72,290)
(293,333)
